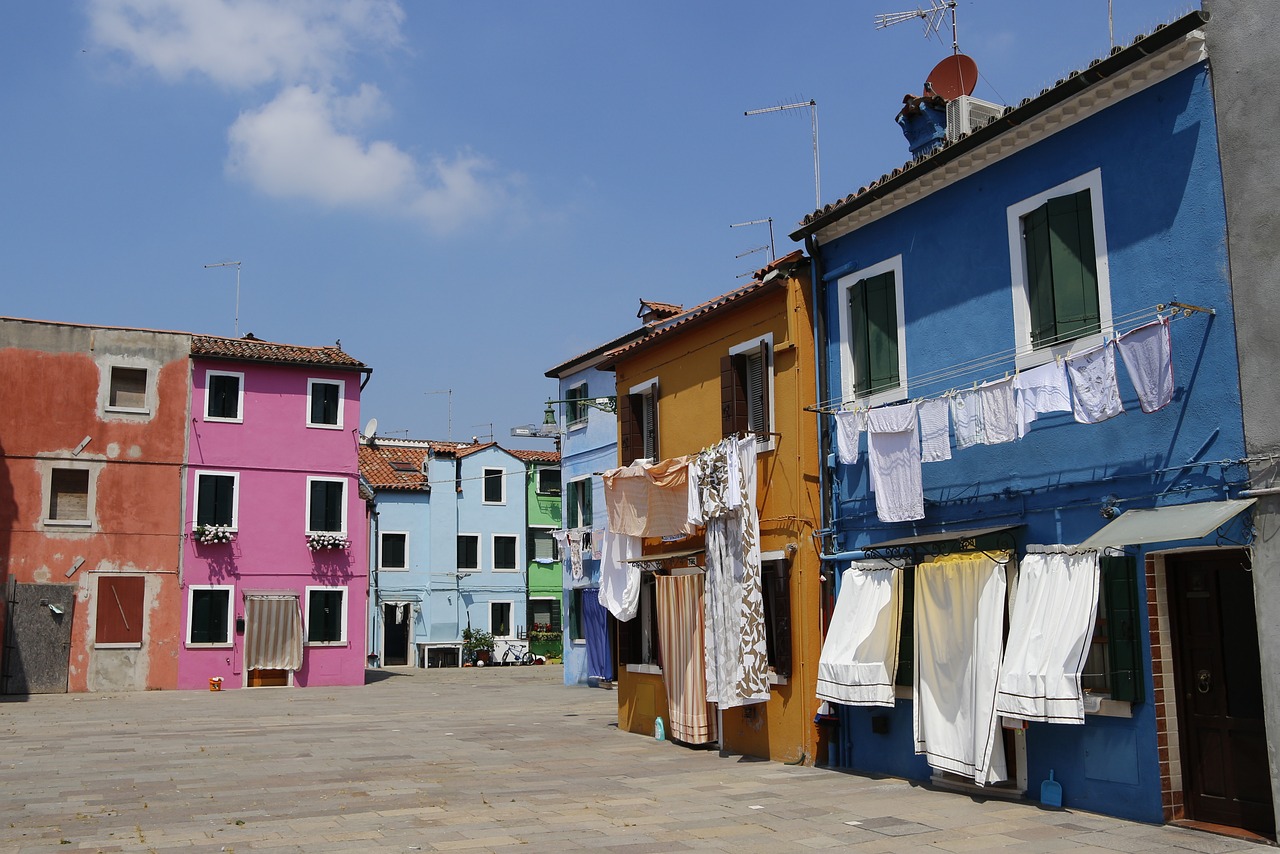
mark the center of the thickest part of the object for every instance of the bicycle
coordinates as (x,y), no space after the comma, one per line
(514,654)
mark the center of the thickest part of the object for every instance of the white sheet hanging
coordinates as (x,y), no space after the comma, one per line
(893,450)
(1148,357)
(935,430)
(1095,394)
(966,416)
(619,580)
(999,415)
(860,654)
(849,427)
(959,619)
(1040,390)
(1049,634)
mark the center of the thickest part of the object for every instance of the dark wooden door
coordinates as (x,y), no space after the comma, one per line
(1224,742)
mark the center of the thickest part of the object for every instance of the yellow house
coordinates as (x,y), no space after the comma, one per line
(740,364)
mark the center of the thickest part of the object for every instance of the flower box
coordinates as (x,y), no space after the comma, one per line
(326,540)
(213,534)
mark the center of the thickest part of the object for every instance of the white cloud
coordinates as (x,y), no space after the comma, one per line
(310,142)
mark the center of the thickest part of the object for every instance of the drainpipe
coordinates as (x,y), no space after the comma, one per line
(376,617)
(818,288)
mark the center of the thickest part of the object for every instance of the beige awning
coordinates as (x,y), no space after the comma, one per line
(1167,524)
(273,631)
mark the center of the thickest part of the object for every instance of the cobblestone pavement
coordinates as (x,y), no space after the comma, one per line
(489,759)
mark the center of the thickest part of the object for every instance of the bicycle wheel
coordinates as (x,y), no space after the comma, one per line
(527,658)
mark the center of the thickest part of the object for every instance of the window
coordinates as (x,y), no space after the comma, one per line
(1061,283)
(577,625)
(224,396)
(495,483)
(1114,664)
(394,551)
(128,389)
(578,512)
(500,620)
(775,583)
(324,403)
(468,551)
(326,615)
(544,615)
(542,546)
(504,552)
(575,411)
(68,496)
(120,610)
(216,499)
(209,615)
(746,389)
(874,362)
(548,482)
(638,423)
(327,505)
(638,638)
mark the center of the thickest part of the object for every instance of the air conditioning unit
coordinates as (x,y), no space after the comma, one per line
(966,114)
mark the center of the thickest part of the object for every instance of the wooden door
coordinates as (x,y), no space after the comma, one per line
(1224,742)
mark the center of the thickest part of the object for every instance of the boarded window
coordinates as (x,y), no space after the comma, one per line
(873,324)
(215,499)
(325,511)
(224,396)
(69,495)
(1062,275)
(468,551)
(325,615)
(326,403)
(504,552)
(119,615)
(210,616)
(128,388)
(494,486)
(393,551)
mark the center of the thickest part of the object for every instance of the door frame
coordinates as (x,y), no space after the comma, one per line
(409,654)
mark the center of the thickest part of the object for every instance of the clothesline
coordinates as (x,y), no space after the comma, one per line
(1126,322)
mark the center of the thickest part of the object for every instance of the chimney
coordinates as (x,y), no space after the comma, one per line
(923,119)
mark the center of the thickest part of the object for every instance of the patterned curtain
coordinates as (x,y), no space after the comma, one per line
(273,633)
(680,643)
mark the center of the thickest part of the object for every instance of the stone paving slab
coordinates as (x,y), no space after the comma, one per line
(471,760)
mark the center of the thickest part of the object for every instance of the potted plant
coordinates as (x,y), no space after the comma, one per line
(318,540)
(477,644)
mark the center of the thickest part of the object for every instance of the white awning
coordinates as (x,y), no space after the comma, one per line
(1166,524)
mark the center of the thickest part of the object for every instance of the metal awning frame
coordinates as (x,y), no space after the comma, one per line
(914,549)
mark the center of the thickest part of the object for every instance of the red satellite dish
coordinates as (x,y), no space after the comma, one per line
(955,76)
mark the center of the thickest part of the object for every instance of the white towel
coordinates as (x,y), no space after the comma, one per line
(935,431)
(849,427)
(1095,394)
(893,450)
(860,654)
(1050,629)
(619,580)
(1039,390)
(1148,357)
(999,416)
(966,416)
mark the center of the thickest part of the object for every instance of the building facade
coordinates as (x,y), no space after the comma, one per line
(542,574)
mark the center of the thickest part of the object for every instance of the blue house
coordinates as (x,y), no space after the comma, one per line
(449,548)
(589,445)
(1023,250)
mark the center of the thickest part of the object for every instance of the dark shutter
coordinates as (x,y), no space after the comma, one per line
(209,616)
(906,636)
(555,615)
(324,616)
(760,420)
(588,518)
(733,396)
(224,396)
(119,612)
(575,495)
(1035,236)
(630,641)
(324,403)
(1124,646)
(326,506)
(1075,278)
(882,332)
(776,590)
(393,551)
(630,438)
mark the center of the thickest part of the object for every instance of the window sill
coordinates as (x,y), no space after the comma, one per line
(327,643)
(325,426)
(209,645)
(137,645)
(505,571)
(652,669)
(578,641)
(126,410)
(393,569)
(775,679)
(1044,355)
(574,426)
(891,395)
(1105,707)
(217,420)
(67,523)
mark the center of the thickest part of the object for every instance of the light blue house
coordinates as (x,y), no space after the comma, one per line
(450,552)
(1069,220)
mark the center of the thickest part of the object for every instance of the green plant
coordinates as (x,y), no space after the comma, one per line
(476,640)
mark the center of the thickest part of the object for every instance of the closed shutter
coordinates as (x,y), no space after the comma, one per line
(1075,278)
(1124,642)
(393,551)
(324,403)
(588,513)
(215,500)
(733,397)
(575,498)
(209,616)
(907,629)
(120,607)
(757,372)
(882,332)
(630,436)
(326,506)
(649,422)
(224,396)
(776,583)
(555,615)
(324,616)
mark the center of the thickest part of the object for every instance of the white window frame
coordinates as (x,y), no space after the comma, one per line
(235,495)
(549,530)
(383,567)
(537,480)
(231,625)
(47,467)
(848,376)
(650,389)
(579,423)
(147,389)
(306,614)
(1026,356)
(307,505)
(484,485)
(749,348)
(342,391)
(208,396)
(511,618)
(569,494)
(479,557)
(493,553)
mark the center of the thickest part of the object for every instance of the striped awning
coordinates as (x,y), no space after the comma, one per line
(273,631)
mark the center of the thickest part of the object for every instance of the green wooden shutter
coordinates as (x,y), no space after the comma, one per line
(206,501)
(859,341)
(1035,236)
(587,514)
(873,312)
(1124,642)
(907,630)
(575,495)
(1075,276)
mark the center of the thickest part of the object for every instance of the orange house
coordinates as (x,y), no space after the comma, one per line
(92,440)
(742,363)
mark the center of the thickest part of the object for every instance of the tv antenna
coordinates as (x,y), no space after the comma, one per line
(449,392)
(813,115)
(235,264)
(931,17)
(769,220)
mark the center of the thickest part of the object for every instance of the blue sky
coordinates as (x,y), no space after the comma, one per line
(465,194)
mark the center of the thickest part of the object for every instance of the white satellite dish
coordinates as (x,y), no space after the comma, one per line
(371,428)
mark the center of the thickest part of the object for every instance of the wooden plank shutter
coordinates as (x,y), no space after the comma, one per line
(733,397)
(1124,646)
(575,497)
(555,615)
(587,511)
(882,332)
(1035,237)
(630,439)
(649,423)
(119,609)
(223,500)
(760,414)
(858,342)
(1075,278)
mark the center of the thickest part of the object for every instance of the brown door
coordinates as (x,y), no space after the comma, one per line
(1224,743)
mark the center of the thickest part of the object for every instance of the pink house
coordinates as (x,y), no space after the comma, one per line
(274,555)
